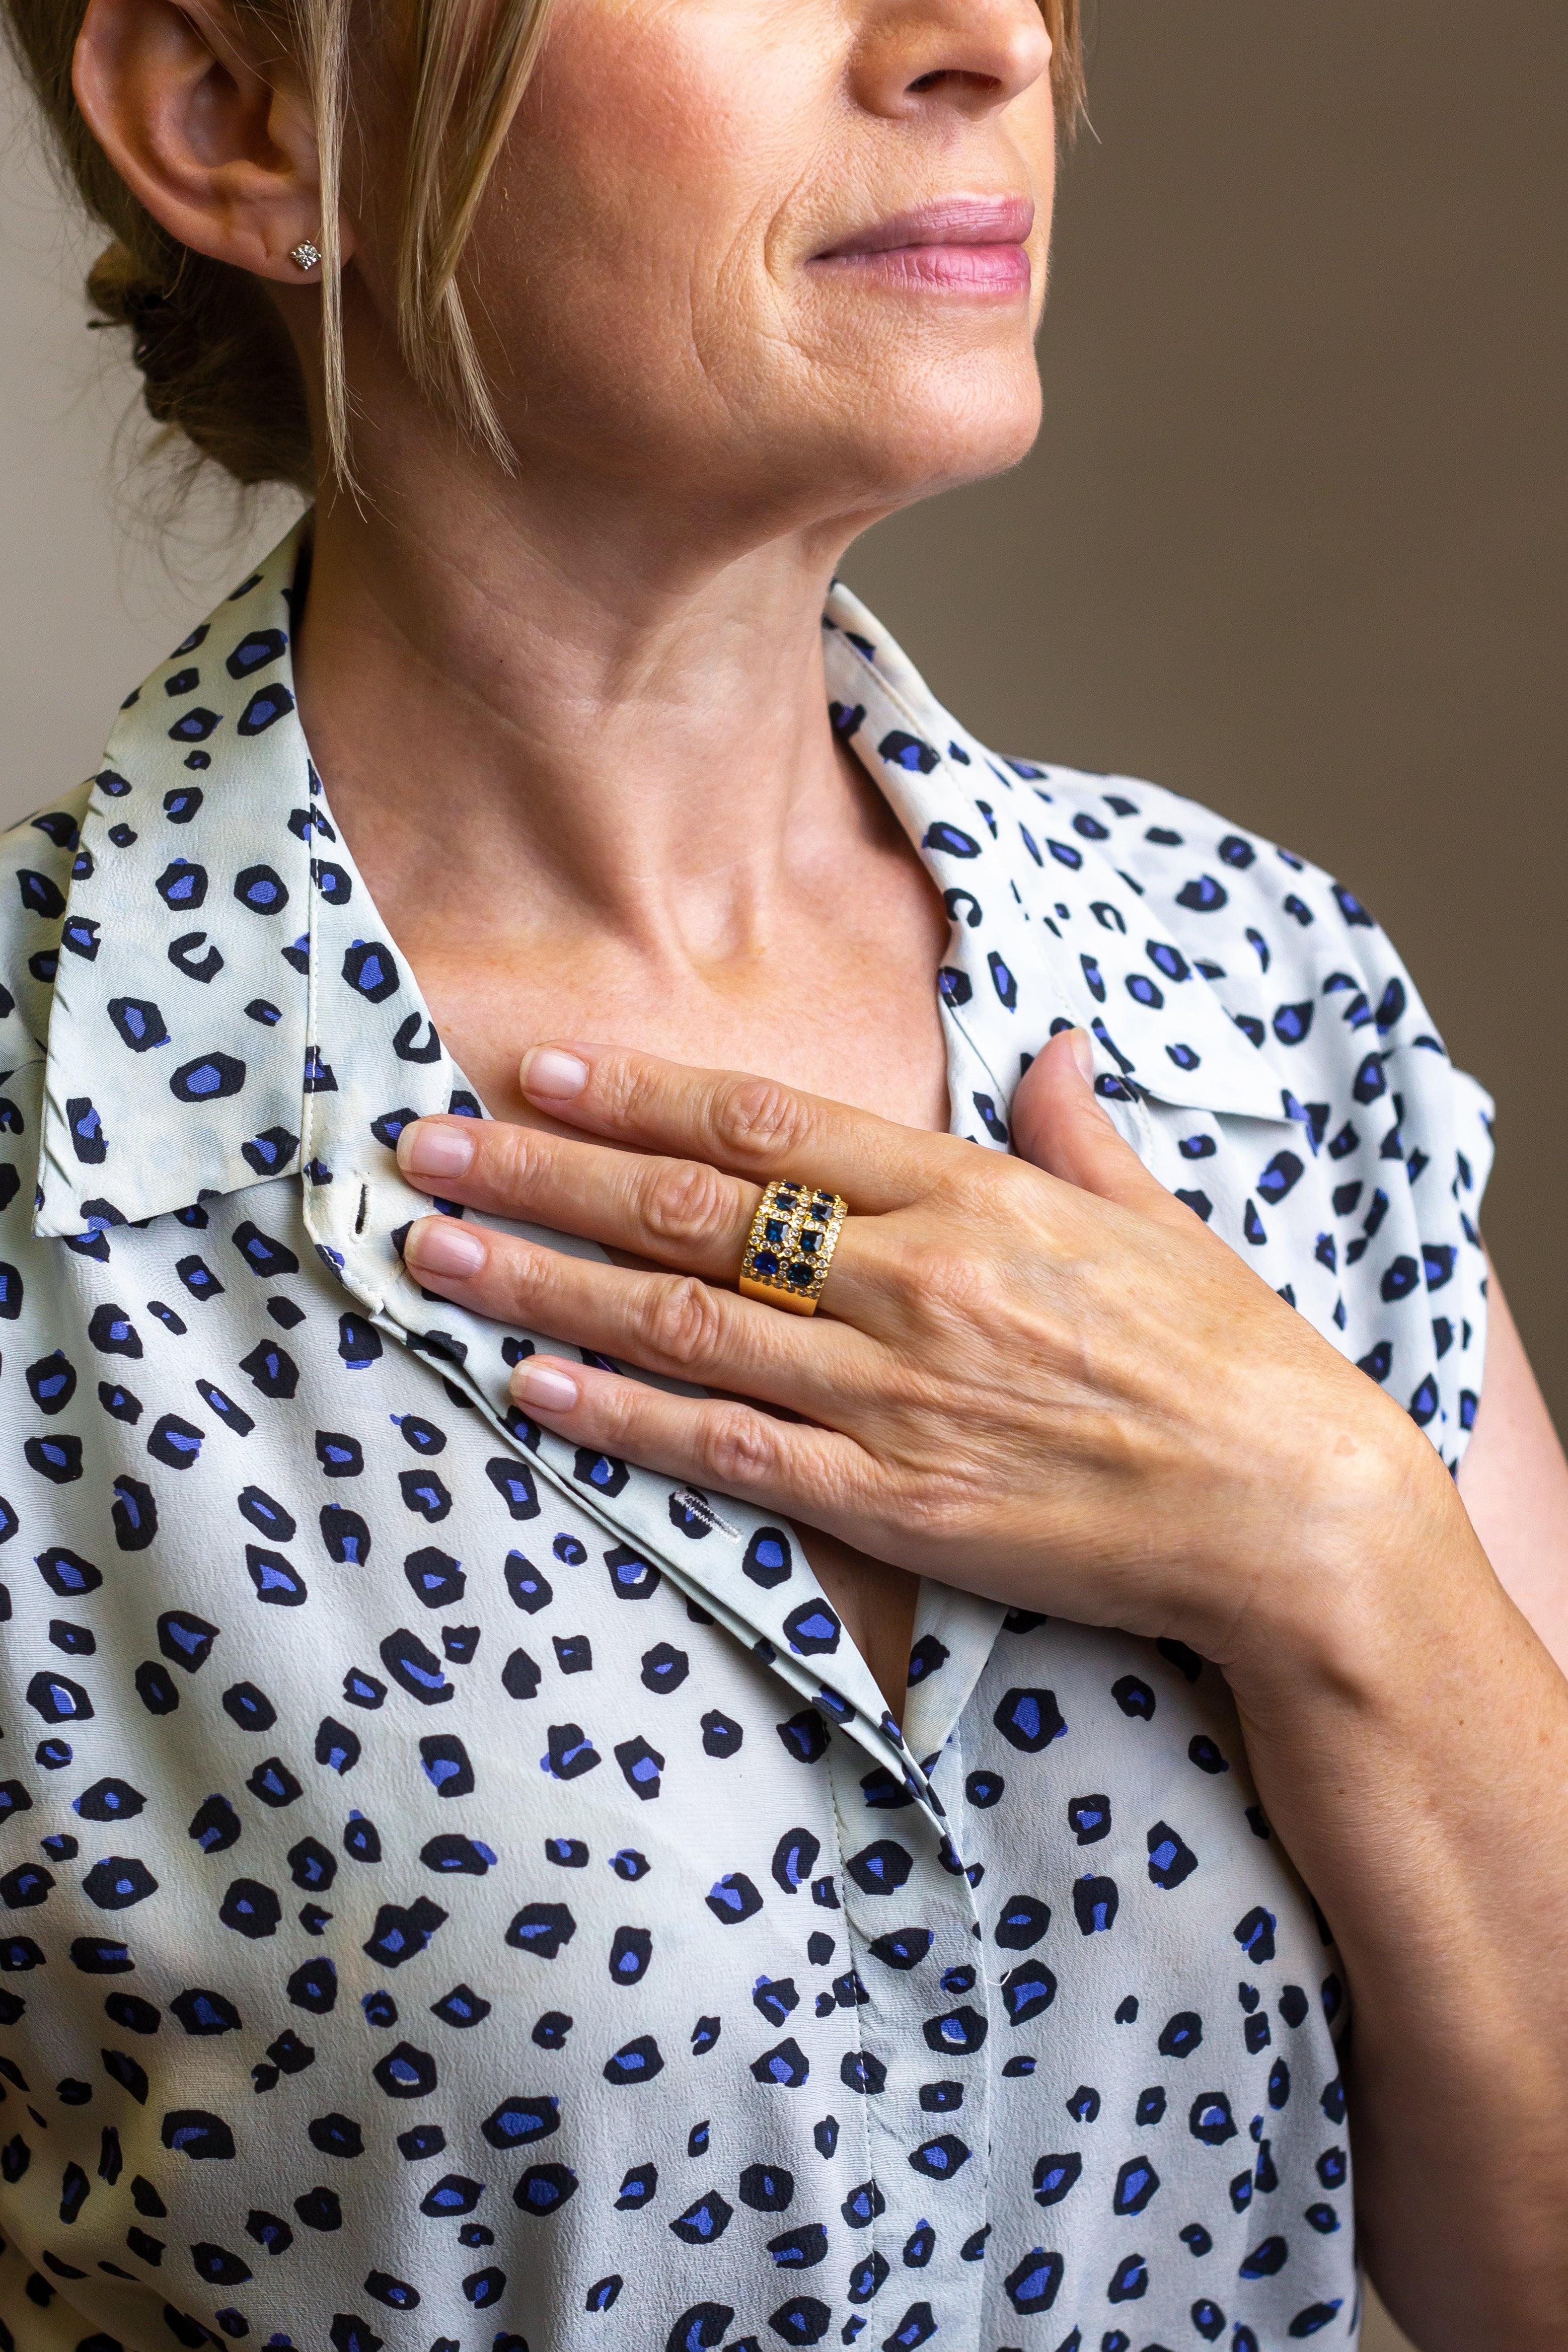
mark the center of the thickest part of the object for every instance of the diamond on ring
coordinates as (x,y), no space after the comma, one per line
(790,1245)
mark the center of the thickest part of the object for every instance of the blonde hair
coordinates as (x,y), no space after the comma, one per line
(217,365)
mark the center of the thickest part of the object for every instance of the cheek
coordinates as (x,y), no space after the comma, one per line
(634,188)
(640,262)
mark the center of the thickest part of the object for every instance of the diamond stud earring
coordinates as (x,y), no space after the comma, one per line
(305,257)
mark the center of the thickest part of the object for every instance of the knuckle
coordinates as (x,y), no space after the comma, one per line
(681,1322)
(1001,1175)
(685,1203)
(512,1154)
(935,1517)
(977,1184)
(522,1276)
(952,1281)
(615,1406)
(759,1120)
(624,1087)
(740,1446)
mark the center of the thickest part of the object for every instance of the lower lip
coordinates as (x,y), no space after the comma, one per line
(939,269)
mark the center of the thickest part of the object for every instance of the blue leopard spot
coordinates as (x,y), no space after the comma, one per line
(1283,1172)
(1129,2281)
(1029,1719)
(209,1078)
(262,889)
(910,752)
(544,2188)
(1095,1902)
(733,1899)
(636,2062)
(254,652)
(812,1629)
(1028,1992)
(266,705)
(1171,1860)
(1034,2282)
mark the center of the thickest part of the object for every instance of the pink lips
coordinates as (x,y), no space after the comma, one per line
(960,244)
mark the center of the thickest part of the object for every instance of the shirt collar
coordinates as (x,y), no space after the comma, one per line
(196,1046)
(177,1033)
(1046,928)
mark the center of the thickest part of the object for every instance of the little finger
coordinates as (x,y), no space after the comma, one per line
(722,1445)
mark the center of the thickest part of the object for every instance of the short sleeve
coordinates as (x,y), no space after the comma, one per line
(1401,1140)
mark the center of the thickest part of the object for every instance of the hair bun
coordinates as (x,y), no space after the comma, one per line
(123,290)
(214,358)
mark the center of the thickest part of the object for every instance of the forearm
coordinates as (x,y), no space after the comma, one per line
(1409,1738)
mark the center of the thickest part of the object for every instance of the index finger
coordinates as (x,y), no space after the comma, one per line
(745,1125)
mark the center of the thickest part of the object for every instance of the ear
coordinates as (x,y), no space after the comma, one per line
(210,129)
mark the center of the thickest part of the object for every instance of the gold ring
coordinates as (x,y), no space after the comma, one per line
(790,1245)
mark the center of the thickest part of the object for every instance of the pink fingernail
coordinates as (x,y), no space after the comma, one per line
(1081,1046)
(546,1072)
(442,1245)
(544,1385)
(436,1147)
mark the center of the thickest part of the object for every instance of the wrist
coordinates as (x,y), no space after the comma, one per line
(1380,1553)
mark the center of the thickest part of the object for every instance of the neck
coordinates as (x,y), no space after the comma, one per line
(563,705)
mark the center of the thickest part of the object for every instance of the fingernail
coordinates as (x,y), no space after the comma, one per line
(436,1147)
(546,1072)
(1081,1047)
(442,1245)
(542,1385)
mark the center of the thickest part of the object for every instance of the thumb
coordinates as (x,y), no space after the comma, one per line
(1059,1125)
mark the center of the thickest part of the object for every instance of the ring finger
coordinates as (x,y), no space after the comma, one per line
(672,1324)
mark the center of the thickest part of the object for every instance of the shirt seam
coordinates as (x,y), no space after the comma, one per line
(863,2119)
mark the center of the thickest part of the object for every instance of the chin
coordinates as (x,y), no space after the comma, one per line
(939,434)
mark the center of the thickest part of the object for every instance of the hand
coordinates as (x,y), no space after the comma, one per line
(1041,1378)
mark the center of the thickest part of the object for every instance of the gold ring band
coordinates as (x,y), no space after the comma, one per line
(790,1245)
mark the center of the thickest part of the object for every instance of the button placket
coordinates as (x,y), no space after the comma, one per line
(930,2161)
(356,1204)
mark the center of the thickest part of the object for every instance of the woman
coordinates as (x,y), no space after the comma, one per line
(552,1802)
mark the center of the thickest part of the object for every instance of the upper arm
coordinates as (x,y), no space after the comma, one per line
(1514,1483)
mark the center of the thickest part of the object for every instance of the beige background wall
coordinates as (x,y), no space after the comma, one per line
(1293,541)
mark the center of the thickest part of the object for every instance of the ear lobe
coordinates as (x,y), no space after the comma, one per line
(215,144)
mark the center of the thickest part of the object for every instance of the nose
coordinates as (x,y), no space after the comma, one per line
(970,57)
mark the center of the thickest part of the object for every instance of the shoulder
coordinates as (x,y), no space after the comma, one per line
(1367,1219)
(1221,887)
(38,858)
(1302,966)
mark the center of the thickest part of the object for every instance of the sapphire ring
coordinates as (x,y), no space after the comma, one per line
(790,1245)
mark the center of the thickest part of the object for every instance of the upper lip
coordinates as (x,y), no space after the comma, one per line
(953,220)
